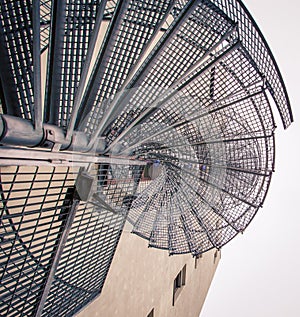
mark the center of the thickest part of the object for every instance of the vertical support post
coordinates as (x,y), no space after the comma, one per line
(37,87)
(51,107)
(57,256)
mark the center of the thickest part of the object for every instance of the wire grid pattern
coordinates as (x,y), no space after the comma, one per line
(118,182)
(92,241)
(79,20)
(227,117)
(16,32)
(227,164)
(234,79)
(34,207)
(232,75)
(111,6)
(134,26)
(197,33)
(257,47)
(208,141)
(45,17)
(177,51)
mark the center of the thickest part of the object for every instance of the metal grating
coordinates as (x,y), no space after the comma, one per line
(34,207)
(134,24)
(72,26)
(45,16)
(259,50)
(16,52)
(36,202)
(169,127)
(199,159)
(179,49)
(92,242)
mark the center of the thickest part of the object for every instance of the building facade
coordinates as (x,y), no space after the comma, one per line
(147,282)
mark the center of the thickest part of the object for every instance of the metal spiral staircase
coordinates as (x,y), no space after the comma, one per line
(155,112)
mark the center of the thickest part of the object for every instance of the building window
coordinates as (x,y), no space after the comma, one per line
(215,256)
(179,282)
(151,314)
(197,259)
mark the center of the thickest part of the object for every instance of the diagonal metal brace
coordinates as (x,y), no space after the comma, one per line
(57,255)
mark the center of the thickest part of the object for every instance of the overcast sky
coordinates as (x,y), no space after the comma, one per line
(259,273)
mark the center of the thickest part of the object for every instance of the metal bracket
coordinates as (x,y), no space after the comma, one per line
(85,185)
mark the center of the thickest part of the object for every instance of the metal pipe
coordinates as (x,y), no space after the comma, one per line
(59,157)
(57,256)
(52,101)
(18,131)
(37,87)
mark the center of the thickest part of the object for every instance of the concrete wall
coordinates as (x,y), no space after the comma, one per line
(142,278)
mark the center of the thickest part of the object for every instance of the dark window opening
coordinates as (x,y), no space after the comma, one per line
(179,282)
(197,259)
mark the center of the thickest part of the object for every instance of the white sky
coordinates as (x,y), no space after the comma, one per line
(259,273)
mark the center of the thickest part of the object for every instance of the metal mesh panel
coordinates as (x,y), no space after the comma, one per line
(189,39)
(92,241)
(218,156)
(173,129)
(84,264)
(111,5)
(16,41)
(45,23)
(215,187)
(35,206)
(233,73)
(73,23)
(258,48)
(178,51)
(134,24)
(32,217)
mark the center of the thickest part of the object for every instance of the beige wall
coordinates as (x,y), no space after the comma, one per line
(141,278)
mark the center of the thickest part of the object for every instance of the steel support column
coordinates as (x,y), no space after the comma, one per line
(57,254)
(52,101)
(37,86)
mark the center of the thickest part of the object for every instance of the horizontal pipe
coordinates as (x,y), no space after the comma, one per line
(18,131)
(28,155)
(21,132)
